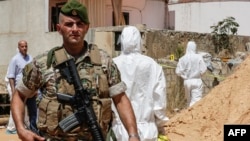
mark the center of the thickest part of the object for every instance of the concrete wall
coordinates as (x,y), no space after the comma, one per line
(23,19)
(199,16)
(148,12)
(28,19)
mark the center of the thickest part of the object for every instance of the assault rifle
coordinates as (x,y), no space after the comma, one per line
(80,101)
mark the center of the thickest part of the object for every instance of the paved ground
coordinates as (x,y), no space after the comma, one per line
(7,137)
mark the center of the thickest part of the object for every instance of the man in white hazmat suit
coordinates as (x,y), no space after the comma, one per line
(146,88)
(190,67)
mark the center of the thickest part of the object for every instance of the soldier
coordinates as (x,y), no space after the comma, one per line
(98,75)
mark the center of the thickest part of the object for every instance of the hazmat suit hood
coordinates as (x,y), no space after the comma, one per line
(191,48)
(130,40)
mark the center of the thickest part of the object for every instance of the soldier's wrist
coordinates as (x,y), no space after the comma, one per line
(130,136)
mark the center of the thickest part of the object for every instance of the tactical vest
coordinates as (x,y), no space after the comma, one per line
(94,80)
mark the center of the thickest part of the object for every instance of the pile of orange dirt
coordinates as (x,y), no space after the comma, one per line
(227,103)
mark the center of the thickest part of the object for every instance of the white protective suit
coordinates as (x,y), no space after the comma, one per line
(190,67)
(146,88)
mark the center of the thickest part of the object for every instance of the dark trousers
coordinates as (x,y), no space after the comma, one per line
(32,112)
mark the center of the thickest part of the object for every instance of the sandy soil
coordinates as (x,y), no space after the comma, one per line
(227,103)
(7,137)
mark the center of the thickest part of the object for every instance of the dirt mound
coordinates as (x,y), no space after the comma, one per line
(227,103)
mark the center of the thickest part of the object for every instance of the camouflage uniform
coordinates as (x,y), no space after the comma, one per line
(40,74)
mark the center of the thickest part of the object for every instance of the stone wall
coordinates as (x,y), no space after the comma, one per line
(160,45)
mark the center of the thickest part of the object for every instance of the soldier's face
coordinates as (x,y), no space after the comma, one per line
(72,29)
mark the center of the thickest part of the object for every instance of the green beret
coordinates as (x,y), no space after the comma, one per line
(75,8)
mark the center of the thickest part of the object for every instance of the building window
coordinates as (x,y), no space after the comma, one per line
(117,41)
(171,20)
(125,15)
(53,14)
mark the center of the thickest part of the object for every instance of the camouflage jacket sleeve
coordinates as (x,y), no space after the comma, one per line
(113,74)
(31,80)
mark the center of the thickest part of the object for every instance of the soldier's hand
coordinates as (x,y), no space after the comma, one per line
(27,135)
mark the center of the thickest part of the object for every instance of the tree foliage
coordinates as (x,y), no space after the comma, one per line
(221,33)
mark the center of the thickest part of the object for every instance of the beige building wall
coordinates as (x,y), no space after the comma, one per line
(24,19)
(29,20)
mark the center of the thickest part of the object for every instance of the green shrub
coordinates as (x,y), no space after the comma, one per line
(221,33)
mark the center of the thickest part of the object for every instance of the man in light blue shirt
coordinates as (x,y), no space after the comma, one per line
(17,64)
(14,74)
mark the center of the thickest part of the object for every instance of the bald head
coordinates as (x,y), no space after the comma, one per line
(23,47)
